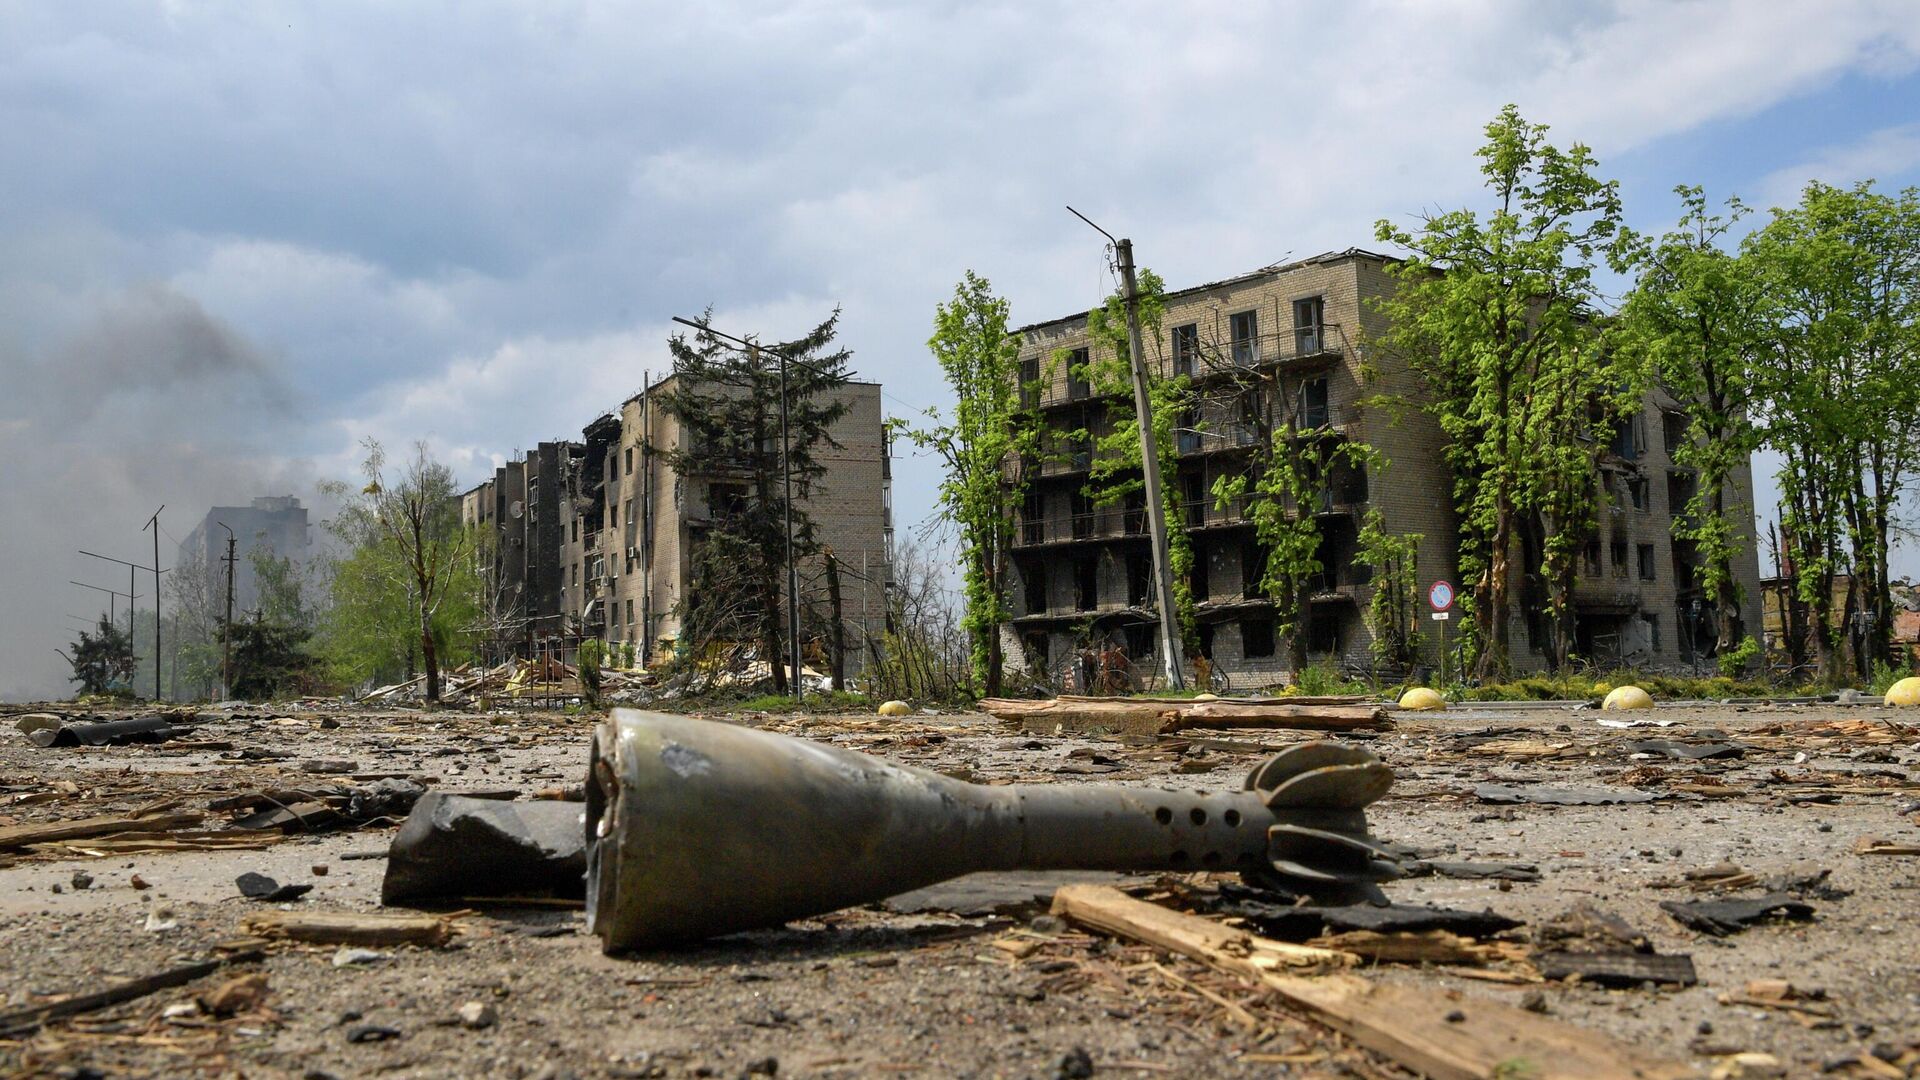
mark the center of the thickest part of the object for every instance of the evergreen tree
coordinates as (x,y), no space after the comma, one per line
(726,401)
(103,661)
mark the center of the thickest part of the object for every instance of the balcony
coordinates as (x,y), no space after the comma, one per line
(1606,594)
(1203,513)
(1215,438)
(1301,346)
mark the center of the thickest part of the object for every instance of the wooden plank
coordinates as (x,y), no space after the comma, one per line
(1444,1034)
(19,836)
(351,928)
(1231,714)
(1136,716)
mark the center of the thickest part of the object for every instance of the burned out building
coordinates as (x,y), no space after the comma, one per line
(519,514)
(634,525)
(1284,349)
(595,538)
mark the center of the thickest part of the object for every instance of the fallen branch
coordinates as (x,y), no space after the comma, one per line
(20,1021)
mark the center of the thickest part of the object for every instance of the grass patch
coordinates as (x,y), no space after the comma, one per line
(1590,687)
(832,701)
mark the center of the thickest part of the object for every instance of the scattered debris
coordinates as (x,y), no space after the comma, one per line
(1870,845)
(18,1021)
(1277,915)
(268,891)
(350,957)
(452,846)
(1681,751)
(1599,947)
(242,994)
(141,729)
(477,1015)
(1723,917)
(1553,795)
(1426,1031)
(155,821)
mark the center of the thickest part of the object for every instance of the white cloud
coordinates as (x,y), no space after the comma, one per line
(1889,151)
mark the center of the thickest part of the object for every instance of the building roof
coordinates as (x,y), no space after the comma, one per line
(1251,275)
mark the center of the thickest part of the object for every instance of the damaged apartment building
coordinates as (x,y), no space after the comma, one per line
(1289,341)
(596,538)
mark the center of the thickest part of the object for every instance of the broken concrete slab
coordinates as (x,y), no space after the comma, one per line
(452,847)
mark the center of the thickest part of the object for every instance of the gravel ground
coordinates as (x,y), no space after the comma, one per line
(874,991)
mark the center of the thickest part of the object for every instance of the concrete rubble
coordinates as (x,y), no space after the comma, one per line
(1736,909)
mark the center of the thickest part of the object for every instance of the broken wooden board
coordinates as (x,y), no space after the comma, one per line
(1421,947)
(1147,716)
(19,836)
(351,928)
(1444,1034)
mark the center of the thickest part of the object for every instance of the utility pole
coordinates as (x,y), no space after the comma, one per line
(154,524)
(1172,662)
(226,624)
(131,568)
(112,618)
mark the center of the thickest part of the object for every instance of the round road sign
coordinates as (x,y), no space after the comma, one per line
(1440,595)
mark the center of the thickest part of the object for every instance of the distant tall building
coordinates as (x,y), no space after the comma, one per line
(277,523)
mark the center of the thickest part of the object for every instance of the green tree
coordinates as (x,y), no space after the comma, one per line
(409,580)
(1700,312)
(269,644)
(982,448)
(1392,611)
(587,660)
(103,660)
(1494,314)
(1840,373)
(726,403)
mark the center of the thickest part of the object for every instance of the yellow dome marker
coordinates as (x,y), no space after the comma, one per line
(1421,699)
(896,708)
(1904,692)
(1628,697)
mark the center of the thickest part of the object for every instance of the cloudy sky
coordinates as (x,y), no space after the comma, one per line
(236,239)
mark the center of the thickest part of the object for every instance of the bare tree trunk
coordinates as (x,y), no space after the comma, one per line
(1493,616)
(771,638)
(837,632)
